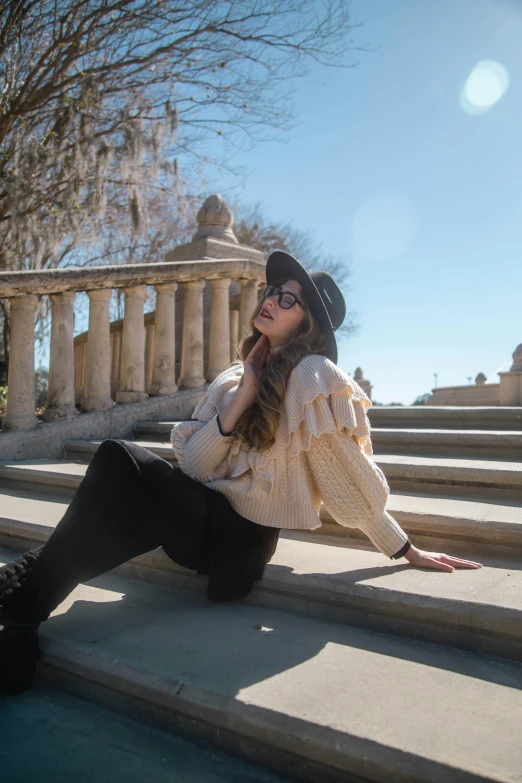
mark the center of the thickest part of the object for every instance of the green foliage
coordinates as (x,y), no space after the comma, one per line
(422,399)
(41,384)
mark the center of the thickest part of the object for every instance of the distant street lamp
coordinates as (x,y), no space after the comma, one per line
(469,379)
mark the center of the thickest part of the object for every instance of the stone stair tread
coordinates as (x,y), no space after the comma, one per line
(458,508)
(48,467)
(329,568)
(336,695)
(498,583)
(336,557)
(469,438)
(460,468)
(475,444)
(448,431)
(440,410)
(434,462)
(452,470)
(30,506)
(458,521)
(428,431)
(159,424)
(394,465)
(438,432)
(494,413)
(450,462)
(162,448)
(92,445)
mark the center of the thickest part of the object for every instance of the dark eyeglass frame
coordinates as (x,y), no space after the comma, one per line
(277,289)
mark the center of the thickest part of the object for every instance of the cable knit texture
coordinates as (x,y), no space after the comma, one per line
(322,453)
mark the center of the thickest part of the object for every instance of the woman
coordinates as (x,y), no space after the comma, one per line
(275,434)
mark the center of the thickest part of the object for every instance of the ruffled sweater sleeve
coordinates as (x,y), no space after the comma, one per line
(335,433)
(199,446)
(352,491)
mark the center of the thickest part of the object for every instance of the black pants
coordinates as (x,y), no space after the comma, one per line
(129,502)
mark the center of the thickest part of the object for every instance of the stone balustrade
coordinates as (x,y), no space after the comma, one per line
(141,354)
(477,395)
(507,393)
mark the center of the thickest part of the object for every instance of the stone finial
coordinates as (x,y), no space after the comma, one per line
(362,382)
(215,239)
(215,220)
(517,360)
(481,378)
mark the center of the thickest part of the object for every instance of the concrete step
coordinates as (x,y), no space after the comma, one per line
(458,477)
(446,417)
(312,698)
(156,430)
(47,476)
(438,521)
(484,444)
(73,739)
(439,475)
(84,450)
(474,444)
(433,521)
(416,417)
(477,609)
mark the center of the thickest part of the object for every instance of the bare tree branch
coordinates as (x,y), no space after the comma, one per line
(107,108)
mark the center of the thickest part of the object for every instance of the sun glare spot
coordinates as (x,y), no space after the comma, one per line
(484,87)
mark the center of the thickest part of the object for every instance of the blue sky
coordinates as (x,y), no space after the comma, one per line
(393,166)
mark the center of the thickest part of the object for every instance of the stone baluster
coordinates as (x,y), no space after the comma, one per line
(79,368)
(20,414)
(60,395)
(191,374)
(219,337)
(97,392)
(247,303)
(115,361)
(163,380)
(132,373)
(150,331)
(234,329)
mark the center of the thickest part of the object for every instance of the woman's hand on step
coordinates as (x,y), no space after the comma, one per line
(437,560)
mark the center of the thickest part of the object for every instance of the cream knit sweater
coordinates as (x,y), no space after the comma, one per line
(322,453)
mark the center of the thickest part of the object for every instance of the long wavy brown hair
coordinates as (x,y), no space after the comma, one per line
(258,425)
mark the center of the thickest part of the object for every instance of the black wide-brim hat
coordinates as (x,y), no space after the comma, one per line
(322,293)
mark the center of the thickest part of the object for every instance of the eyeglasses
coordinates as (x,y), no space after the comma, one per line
(286,299)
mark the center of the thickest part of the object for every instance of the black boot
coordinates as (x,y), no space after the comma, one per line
(19,648)
(19,653)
